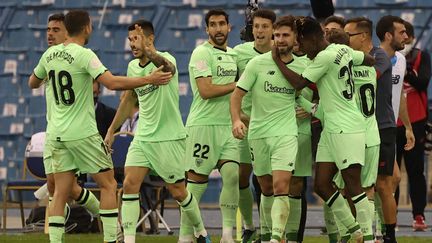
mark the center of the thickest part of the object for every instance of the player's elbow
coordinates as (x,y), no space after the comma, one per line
(205,95)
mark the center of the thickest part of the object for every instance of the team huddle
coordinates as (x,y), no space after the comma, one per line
(251,112)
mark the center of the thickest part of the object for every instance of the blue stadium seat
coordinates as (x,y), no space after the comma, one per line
(8,147)
(182,59)
(110,100)
(11,126)
(12,105)
(8,84)
(391,3)
(36,106)
(116,61)
(185,103)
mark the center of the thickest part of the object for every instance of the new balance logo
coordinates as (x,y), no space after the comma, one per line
(271,72)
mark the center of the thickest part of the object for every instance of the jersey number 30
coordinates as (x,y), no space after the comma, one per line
(64,82)
(348,93)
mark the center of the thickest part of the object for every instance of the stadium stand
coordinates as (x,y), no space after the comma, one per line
(179,26)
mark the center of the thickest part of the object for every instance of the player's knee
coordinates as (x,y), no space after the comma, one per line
(130,185)
(320,188)
(76,191)
(51,186)
(296,187)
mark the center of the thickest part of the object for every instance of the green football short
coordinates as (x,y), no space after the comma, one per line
(244,149)
(206,145)
(164,158)
(273,153)
(369,171)
(344,149)
(303,164)
(87,155)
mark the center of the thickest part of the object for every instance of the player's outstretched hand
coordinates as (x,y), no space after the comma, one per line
(301,113)
(239,129)
(159,77)
(109,140)
(410,139)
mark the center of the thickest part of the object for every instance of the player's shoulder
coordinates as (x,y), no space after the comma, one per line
(133,63)
(246,46)
(378,52)
(400,56)
(167,55)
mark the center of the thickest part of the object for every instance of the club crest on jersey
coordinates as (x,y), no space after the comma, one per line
(198,162)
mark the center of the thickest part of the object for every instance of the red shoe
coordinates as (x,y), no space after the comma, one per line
(419,223)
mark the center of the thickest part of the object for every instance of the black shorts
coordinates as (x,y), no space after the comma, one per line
(387,151)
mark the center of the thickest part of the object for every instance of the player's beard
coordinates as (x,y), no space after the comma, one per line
(219,42)
(285,50)
(397,46)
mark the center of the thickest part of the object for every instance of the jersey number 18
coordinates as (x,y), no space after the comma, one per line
(64,81)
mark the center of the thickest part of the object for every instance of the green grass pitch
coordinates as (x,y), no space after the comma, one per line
(96,238)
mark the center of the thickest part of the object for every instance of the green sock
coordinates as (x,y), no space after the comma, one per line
(372,211)
(380,226)
(330,223)
(197,190)
(130,212)
(361,204)
(109,223)
(56,228)
(229,197)
(89,201)
(293,223)
(279,213)
(189,207)
(265,214)
(245,206)
(342,212)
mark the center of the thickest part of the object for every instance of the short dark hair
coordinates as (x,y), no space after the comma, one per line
(307,27)
(76,21)
(213,12)
(409,29)
(287,20)
(362,23)
(56,17)
(265,14)
(337,36)
(386,24)
(146,26)
(337,19)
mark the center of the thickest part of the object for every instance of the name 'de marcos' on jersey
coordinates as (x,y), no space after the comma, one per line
(60,55)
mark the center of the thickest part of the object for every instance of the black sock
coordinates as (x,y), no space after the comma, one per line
(390,231)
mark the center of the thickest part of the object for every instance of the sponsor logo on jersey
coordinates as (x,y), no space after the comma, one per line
(268,87)
(150,88)
(222,72)
(396,79)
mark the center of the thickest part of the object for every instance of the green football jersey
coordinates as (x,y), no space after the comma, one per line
(365,87)
(245,52)
(273,98)
(159,113)
(70,70)
(331,70)
(221,65)
(304,125)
